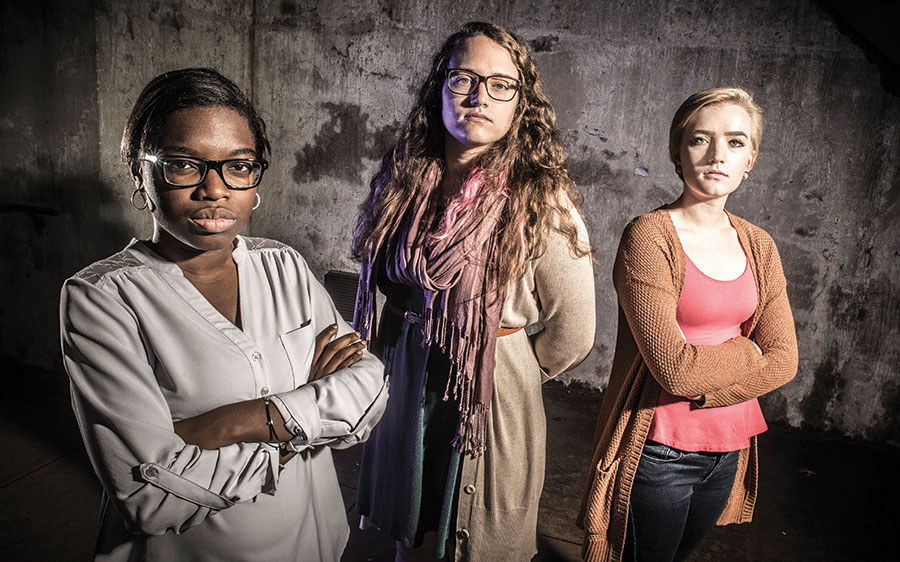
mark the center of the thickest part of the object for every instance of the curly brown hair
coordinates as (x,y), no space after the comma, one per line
(539,186)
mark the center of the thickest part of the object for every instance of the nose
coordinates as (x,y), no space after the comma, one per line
(717,151)
(477,97)
(213,187)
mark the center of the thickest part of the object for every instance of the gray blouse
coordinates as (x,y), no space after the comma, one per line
(143,349)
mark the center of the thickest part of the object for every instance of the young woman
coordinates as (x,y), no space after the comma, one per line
(704,329)
(472,230)
(206,400)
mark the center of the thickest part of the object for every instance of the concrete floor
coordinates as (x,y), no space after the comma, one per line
(822,498)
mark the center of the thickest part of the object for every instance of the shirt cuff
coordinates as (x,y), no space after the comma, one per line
(304,428)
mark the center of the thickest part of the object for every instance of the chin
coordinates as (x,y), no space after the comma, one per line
(209,242)
(714,190)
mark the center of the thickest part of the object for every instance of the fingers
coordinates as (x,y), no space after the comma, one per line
(337,354)
(757,347)
(322,340)
(345,356)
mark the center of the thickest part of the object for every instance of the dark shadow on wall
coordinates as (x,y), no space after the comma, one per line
(56,226)
(52,225)
(872,26)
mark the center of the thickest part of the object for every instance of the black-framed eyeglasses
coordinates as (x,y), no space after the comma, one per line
(465,82)
(187,171)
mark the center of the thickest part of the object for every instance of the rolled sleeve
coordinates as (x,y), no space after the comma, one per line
(338,410)
(157,481)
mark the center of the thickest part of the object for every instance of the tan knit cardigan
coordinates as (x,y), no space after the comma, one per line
(651,353)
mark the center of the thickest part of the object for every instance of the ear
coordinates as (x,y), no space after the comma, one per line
(137,175)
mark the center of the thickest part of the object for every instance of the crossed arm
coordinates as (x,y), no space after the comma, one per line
(719,375)
(164,477)
(249,420)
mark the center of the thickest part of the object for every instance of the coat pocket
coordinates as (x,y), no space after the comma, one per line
(299,345)
(600,498)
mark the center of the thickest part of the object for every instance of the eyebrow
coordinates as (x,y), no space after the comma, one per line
(488,75)
(192,152)
(727,133)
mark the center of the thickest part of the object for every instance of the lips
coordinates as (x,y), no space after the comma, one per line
(213,219)
(477,117)
(716,173)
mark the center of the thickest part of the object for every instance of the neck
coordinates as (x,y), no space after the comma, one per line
(709,213)
(193,262)
(459,160)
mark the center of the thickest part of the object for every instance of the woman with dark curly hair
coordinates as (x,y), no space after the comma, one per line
(472,230)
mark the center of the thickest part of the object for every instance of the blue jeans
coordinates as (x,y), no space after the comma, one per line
(675,500)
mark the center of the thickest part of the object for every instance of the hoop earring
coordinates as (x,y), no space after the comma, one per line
(143,198)
(258,201)
(746,174)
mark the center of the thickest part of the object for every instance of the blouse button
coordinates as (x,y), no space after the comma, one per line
(469,489)
(462,534)
(264,391)
(256,356)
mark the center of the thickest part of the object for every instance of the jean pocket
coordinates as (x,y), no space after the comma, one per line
(660,452)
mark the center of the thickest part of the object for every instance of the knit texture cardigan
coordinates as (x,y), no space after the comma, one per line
(651,353)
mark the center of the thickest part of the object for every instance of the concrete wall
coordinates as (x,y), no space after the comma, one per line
(335,79)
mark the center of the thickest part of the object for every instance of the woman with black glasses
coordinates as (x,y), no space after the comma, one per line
(210,372)
(472,230)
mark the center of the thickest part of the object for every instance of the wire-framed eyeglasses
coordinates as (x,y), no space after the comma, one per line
(187,171)
(465,82)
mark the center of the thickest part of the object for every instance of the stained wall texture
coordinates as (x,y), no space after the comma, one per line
(335,79)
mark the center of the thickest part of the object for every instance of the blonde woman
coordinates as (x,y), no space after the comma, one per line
(705,328)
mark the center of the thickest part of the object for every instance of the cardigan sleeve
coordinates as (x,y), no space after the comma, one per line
(774,333)
(644,275)
(565,289)
(157,482)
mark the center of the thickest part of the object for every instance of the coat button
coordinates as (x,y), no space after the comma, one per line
(462,534)
(256,356)
(151,472)
(264,391)
(469,489)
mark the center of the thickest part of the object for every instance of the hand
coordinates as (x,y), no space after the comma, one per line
(333,355)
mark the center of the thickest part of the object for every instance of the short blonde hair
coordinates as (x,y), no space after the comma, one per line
(690,107)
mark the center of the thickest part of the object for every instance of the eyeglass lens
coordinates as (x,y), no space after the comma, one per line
(464,83)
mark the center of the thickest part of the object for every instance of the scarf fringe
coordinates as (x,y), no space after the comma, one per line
(463,300)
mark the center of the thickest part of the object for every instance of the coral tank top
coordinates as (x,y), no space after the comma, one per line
(710,312)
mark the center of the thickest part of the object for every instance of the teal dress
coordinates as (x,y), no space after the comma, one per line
(409,469)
